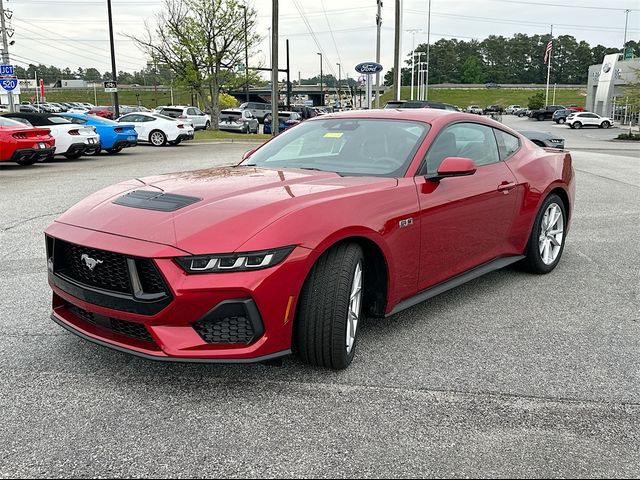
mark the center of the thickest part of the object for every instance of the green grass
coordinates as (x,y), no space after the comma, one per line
(464,97)
(149,99)
(217,135)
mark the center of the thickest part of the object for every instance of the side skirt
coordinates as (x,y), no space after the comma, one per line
(472,274)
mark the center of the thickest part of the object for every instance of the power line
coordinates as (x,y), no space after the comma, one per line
(331,31)
(560,5)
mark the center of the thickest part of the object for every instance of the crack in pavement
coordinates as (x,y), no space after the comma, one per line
(22,222)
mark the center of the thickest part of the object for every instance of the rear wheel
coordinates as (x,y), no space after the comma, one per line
(546,242)
(540,117)
(330,309)
(157,138)
(208,125)
(561,120)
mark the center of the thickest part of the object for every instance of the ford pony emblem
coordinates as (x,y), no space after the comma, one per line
(91,263)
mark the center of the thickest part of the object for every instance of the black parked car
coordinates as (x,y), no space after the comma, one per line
(545,113)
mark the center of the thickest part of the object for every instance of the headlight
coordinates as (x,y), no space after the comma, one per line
(234,262)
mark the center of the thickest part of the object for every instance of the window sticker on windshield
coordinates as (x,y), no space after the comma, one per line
(333,134)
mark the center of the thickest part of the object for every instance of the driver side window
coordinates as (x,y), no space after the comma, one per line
(470,140)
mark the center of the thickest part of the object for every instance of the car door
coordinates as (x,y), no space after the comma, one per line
(464,221)
(590,119)
(196,119)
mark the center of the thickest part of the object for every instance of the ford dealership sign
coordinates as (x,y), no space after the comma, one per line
(368,68)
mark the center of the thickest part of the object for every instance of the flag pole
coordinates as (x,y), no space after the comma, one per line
(546,99)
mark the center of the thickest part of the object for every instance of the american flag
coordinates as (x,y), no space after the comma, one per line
(548,51)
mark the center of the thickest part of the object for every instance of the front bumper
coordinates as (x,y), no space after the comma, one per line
(200,322)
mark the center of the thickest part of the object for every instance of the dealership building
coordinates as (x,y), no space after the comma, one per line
(606,83)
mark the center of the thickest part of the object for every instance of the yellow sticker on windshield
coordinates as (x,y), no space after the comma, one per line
(333,134)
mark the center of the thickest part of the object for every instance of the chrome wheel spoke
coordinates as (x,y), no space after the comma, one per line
(355,302)
(551,234)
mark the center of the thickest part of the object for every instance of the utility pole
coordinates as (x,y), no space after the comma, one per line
(246,55)
(275,95)
(114,71)
(5,53)
(321,94)
(626,21)
(397,74)
(550,54)
(426,85)
(379,26)
(288,77)
(339,79)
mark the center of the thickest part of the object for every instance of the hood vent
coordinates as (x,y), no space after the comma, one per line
(154,200)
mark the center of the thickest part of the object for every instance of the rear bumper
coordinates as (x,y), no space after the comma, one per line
(32,154)
(78,148)
(184,136)
(123,144)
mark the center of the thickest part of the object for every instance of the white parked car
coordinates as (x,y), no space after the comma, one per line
(72,140)
(199,119)
(474,109)
(158,129)
(511,109)
(588,119)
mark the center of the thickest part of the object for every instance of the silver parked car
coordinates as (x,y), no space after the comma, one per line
(236,120)
(544,139)
(257,109)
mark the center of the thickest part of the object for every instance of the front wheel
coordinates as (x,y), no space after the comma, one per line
(330,309)
(157,138)
(546,242)
(561,120)
(605,124)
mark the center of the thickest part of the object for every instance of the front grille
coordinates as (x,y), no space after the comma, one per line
(225,330)
(122,327)
(110,271)
(149,277)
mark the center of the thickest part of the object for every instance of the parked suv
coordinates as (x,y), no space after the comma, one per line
(560,116)
(588,119)
(545,113)
(258,110)
(199,119)
(511,109)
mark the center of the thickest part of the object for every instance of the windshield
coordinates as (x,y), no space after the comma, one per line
(347,146)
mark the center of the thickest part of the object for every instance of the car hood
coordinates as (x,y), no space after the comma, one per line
(219,208)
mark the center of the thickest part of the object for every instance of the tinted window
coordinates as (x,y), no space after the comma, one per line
(171,112)
(469,140)
(78,121)
(347,146)
(191,111)
(131,118)
(59,120)
(507,144)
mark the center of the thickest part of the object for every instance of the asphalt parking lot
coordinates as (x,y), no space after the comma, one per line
(511,375)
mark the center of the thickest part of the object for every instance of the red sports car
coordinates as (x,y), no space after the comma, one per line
(346,215)
(24,145)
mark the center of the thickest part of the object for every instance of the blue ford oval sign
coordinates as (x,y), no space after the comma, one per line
(368,68)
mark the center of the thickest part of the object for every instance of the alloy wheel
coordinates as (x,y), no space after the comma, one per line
(551,234)
(157,138)
(355,307)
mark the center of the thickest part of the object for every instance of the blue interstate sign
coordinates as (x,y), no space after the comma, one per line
(368,68)
(9,83)
(6,69)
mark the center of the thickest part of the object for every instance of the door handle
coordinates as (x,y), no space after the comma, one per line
(506,186)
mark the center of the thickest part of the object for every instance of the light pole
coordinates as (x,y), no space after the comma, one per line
(626,21)
(114,71)
(426,85)
(246,55)
(5,53)
(339,80)
(321,94)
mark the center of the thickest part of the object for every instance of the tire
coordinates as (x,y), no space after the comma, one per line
(157,138)
(540,118)
(605,124)
(245,130)
(535,261)
(561,120)
(577,125)
(572,126)
(207,125)
(322,321)
(73,156)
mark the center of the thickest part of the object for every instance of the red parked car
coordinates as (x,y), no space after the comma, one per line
(346,215)
(24,145)
(104,112)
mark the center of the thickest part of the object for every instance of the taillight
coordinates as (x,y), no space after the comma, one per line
(180,126)
(20,135)
(118,130)
(74,132)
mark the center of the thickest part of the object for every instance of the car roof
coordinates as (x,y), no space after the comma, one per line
(41,118)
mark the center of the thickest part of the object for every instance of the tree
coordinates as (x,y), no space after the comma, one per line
(536,101)
(92,75)
(472,71)
(201,42)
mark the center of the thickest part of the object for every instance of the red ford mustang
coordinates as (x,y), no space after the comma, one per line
(345,215)
(24,145)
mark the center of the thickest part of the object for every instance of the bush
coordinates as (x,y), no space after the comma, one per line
(226,101)
(536,101)
(629,136)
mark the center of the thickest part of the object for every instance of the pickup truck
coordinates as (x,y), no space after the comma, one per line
(545,113)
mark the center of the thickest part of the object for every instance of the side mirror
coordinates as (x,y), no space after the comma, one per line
(248,154)
(455,167)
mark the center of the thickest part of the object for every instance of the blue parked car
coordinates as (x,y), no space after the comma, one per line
(287,120)
(114,136)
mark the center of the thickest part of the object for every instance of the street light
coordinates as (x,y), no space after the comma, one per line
(246,54)
(321,94)
(114,71)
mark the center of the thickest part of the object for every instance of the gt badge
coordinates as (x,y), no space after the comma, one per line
(91,263)
(406,222)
